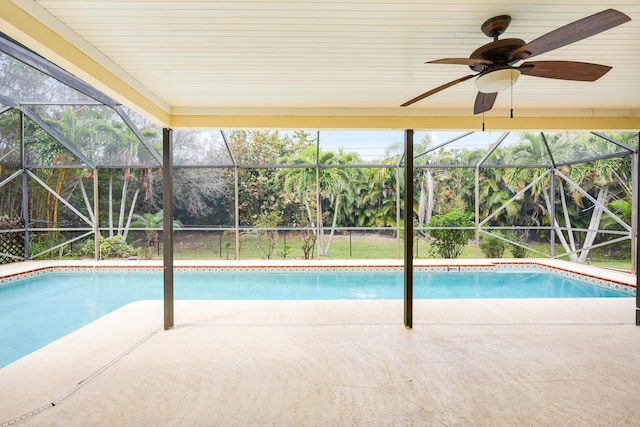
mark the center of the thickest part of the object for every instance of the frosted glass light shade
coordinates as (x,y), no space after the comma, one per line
(497,80)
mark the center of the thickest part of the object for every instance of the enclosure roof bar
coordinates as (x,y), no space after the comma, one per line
(58,137)
(62,103)
(546,144)
(229,150)
(205,166)
(302,166)
(443,144)
(389,166)
(27,56)
(51,131)
(593,159)
(47,167)
(613,141)
(492,149)
(5,109)
(506,166)
(9,102)
(137,133)
(131,166)
(470,166)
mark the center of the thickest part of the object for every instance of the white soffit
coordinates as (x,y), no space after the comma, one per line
(347,57)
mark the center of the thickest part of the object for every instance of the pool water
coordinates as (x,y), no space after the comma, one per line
(39,310)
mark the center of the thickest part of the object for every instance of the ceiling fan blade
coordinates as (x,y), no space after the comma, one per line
(461,61)
(564,70)
(571,33)
(438,89)
(484,102)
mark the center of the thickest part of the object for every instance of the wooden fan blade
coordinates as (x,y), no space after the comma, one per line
(438,89)
(564,70)
(461,61)
(571,33)
(484,102)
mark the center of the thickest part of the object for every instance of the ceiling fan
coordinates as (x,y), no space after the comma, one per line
(495,62)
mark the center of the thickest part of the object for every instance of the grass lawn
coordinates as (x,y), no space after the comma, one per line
(192,245)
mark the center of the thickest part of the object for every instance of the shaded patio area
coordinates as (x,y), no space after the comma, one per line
(465,362)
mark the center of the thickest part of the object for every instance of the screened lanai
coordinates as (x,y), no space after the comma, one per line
(203,77)
(76,164)
(221,134)
(61,135)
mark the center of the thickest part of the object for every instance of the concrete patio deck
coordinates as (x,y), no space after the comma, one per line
(465,362)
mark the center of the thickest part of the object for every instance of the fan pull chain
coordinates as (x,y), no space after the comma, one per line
(512,93)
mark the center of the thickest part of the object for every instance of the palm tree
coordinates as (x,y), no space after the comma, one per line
(598,177)
(424,179)
(301,182)
(151,222)
(312,186)
(532,151)
(339,185)
(377,206)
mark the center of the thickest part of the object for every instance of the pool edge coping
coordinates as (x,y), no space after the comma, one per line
(619,279)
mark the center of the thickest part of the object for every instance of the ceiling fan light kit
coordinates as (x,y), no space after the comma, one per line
(497,80)
(495,62)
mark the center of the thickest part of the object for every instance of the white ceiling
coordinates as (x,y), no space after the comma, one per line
(341,56)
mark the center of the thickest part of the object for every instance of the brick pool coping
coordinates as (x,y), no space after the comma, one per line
(595,275)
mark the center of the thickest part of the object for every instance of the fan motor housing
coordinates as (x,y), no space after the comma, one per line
(498,52)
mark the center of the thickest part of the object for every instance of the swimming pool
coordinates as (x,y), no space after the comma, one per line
(42,308)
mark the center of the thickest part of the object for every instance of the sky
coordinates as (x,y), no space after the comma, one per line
(371,145)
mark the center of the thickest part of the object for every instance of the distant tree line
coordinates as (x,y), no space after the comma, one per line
(274,193)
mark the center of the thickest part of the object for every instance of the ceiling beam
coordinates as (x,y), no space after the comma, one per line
(542,123)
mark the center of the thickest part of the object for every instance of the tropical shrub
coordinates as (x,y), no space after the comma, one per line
(449,243)
(266,234)
(88,249)
(492,246)
(115,247)
(516,250)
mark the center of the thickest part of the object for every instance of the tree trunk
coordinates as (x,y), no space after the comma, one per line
(430,200)
(556,226)
(320,240)
(422,203)
(333,224)
(567,220)
(125,232)
(594,224)
(426,203)
(310,215)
